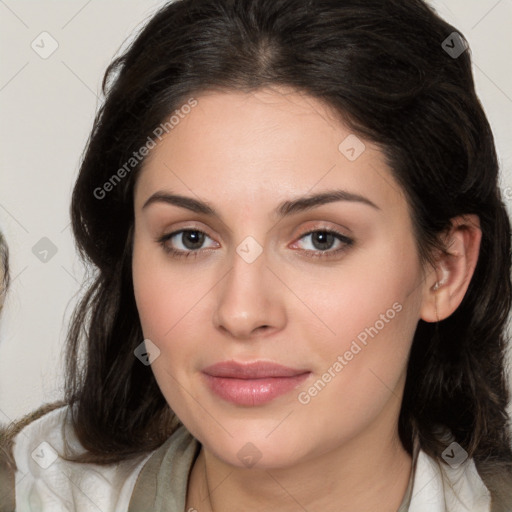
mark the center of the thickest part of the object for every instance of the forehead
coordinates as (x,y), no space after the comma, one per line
(269,143)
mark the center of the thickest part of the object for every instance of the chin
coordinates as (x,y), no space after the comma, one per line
(247,450)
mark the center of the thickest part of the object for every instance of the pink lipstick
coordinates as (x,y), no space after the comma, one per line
(254,383)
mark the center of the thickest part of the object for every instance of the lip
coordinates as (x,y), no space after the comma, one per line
(252,384)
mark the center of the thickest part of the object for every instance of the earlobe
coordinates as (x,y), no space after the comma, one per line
(447,285)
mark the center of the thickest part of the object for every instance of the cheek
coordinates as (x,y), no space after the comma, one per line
(148,291)
(361,299)
(170,309)
(361,369)
(164,297)
(370,337)
(370,313)
(163,294)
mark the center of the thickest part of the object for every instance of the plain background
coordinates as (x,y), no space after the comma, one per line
(47,108)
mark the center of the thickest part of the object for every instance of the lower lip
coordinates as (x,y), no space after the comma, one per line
(253,391)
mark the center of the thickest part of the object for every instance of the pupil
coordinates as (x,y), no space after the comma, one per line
(197,239)
(325,239)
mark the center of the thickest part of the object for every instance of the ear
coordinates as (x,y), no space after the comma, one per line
(446,286)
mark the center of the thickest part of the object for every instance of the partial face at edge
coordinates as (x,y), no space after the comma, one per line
(340,309)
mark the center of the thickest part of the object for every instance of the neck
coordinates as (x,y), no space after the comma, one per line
(369,472)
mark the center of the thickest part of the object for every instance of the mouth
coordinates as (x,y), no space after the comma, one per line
(252,384)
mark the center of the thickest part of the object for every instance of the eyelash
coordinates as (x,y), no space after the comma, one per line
(176,253)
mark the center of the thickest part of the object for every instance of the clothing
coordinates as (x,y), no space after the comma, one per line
(157,481)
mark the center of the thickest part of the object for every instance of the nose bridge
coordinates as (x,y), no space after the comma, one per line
(246,300)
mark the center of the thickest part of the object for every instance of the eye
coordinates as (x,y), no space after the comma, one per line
(324,239)
(190,240)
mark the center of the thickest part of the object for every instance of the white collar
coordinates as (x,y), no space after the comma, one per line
(437,486)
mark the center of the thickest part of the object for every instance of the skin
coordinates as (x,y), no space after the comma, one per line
(244,154)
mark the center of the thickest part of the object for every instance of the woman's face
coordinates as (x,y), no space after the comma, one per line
(253,288)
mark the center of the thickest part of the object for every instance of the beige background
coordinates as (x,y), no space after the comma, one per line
(46,112)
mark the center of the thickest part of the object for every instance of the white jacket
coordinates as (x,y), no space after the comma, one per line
(46,483)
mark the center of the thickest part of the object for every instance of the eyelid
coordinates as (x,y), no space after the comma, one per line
(318,225)
(185,226)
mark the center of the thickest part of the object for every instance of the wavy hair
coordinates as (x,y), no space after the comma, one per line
(380,65)
(4,270)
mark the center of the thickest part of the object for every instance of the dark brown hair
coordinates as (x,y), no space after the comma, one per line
(4,270)
(381,65)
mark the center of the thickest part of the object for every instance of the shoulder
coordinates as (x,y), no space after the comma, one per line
(166,473)
(455,487)
(44,481)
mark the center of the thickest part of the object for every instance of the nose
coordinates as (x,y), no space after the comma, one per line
(250,300)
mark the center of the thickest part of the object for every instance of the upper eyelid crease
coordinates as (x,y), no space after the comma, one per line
(284,209)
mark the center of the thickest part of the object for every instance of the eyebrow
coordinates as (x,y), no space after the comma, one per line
(284,209)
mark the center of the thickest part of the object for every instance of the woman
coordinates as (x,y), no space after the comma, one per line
(303,273)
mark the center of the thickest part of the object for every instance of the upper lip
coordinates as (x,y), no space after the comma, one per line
(254,370)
